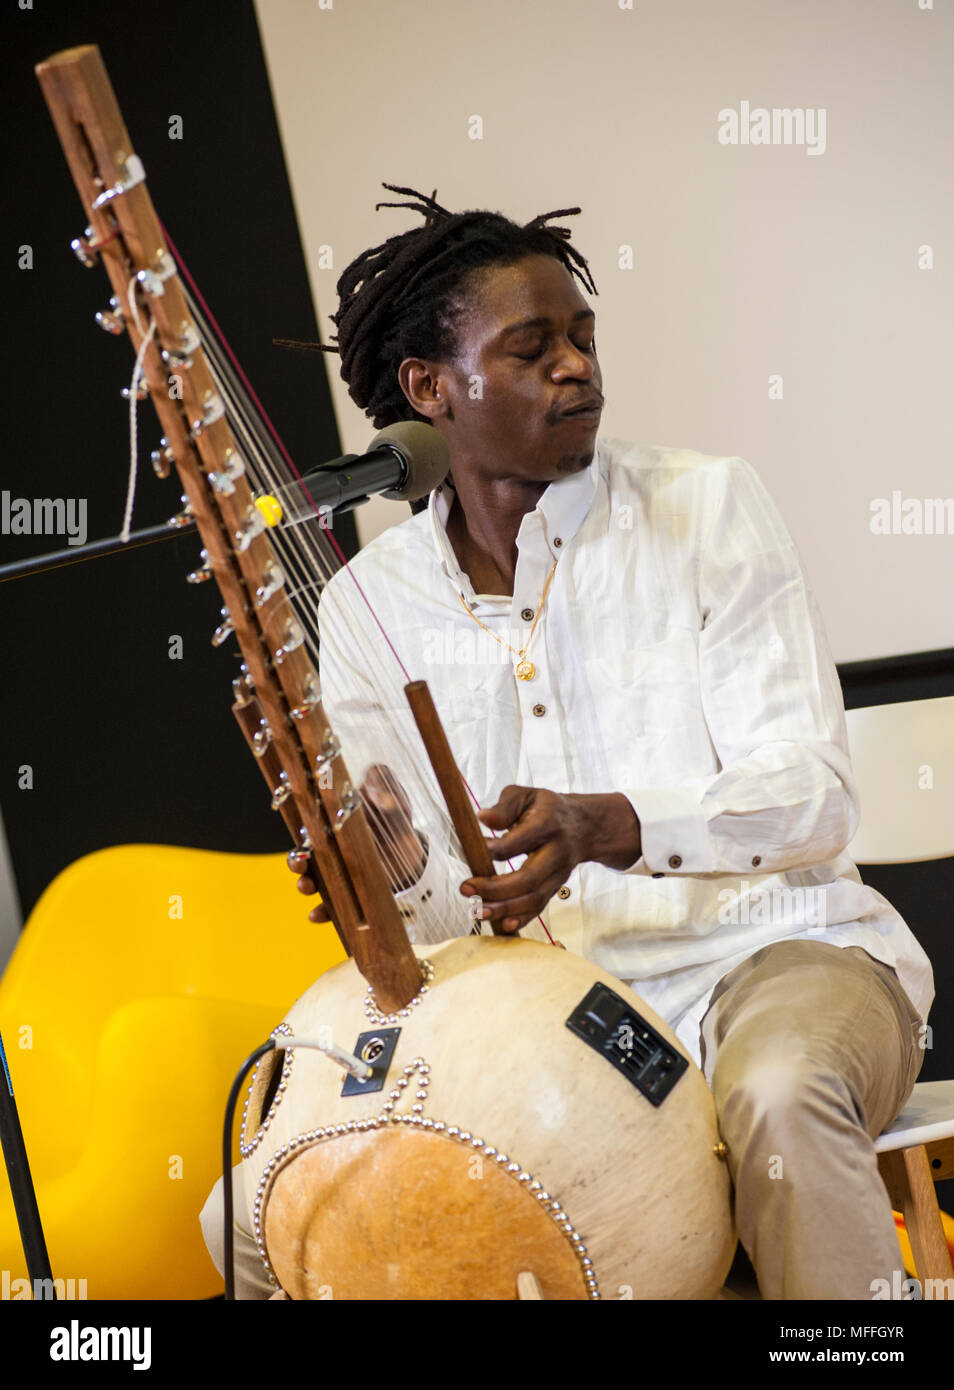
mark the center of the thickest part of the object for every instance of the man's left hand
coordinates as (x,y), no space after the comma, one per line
(556,832)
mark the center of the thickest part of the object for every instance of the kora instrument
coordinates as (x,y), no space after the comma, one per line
(529,1127)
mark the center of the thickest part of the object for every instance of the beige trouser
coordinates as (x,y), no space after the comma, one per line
(811,1050)
(251,1281)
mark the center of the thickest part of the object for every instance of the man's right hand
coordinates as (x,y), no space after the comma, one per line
(389,816)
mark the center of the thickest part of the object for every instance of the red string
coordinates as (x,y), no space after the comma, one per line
(273,432)
(98,245)
(183,268)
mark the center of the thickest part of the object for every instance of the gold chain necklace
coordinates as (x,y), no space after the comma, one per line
(524,669)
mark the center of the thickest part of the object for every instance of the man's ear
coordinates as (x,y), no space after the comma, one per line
(421,383)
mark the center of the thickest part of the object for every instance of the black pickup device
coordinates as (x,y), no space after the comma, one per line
(628,1042)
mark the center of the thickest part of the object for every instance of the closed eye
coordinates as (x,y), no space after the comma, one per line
(532,356)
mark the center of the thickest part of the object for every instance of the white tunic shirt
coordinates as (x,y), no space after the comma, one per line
(680,659)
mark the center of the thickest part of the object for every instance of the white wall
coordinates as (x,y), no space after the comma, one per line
(749,260)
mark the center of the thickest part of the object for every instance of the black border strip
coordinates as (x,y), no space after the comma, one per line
(934,663)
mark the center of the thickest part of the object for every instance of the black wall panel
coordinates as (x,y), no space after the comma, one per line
(125,744)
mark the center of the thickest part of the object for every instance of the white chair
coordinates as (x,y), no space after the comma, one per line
(903,758)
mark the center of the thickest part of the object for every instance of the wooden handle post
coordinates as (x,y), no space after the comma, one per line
(451,783)
(128,238)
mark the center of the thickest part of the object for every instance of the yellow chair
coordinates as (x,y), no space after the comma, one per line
(143,977)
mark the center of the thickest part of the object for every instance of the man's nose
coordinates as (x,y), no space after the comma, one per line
(575,364)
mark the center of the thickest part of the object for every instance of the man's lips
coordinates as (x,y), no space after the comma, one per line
(588,409)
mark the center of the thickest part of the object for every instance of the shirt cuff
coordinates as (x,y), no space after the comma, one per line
(674,830)
(410,900)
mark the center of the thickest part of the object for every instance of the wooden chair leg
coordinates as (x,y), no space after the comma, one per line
(910,1183)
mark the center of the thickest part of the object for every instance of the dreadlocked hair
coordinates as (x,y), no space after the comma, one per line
(402,298)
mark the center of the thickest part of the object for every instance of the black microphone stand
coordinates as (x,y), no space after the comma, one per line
(21,1186)
(71,555)
(11,1133)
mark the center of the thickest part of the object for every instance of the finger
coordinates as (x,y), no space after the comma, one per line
(513,916)
(543,871)
(395,835)
(397,791)
(319,914)
(387,818)
(385,812)
(512,913)
(378,800)
(383,788)
(305,885)
(511,927)
(374,785)
(524,907)
(511,805)
(532,832)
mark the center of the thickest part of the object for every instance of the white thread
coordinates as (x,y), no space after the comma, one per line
(133,418)
(134,307)
(303,553)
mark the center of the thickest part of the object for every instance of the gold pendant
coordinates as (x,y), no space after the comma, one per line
(525,670)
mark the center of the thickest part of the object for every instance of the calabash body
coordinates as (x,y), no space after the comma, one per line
(502,1144)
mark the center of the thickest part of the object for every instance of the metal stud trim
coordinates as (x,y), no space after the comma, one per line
(416,1118)
(374,1015)
(247,1145)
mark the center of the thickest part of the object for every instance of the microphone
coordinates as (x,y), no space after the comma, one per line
(404,462)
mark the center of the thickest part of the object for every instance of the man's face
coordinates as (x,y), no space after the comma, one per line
(525,357)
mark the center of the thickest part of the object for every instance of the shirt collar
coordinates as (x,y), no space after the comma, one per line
(563,508)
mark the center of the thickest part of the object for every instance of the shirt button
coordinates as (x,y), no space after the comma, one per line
(675,860)
(539,709)
(527,615)
(563,892)
(756,861)
(557,542)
